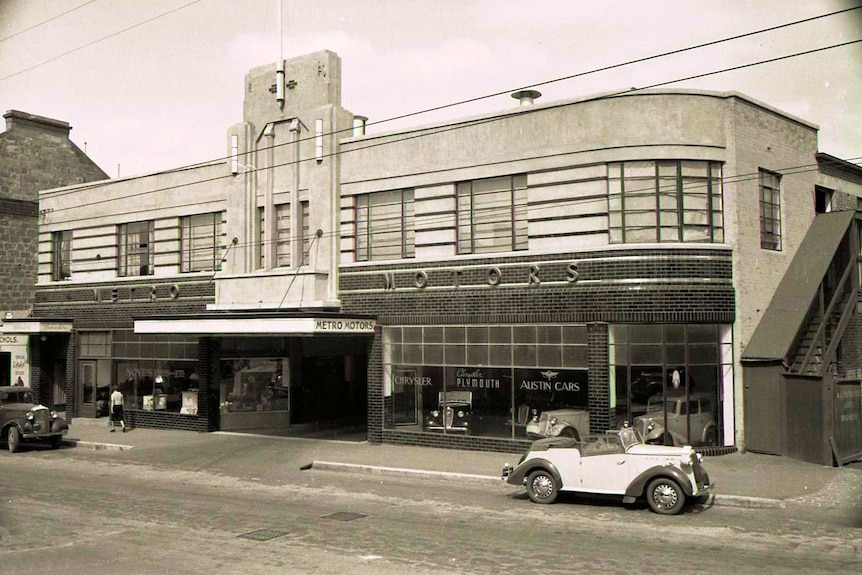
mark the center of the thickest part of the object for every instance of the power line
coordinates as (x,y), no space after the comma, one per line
(459,126)
(60,15)
(88,44)
(478,98)
(449,217)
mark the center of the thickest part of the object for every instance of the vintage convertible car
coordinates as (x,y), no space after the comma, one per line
(453,413)
(22,419)
(566,422)
(614,463)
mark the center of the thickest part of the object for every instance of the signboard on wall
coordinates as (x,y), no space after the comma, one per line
(564,387)
(17,346)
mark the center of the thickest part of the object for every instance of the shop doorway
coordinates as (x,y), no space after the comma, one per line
(87,392)
(5,368)
(58,391)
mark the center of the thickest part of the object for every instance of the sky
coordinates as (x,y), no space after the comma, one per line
(154,85)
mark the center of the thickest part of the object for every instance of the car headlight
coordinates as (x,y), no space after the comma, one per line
(435,413)
(650,426)
(460,413)
(54,414)
(553,421)
(30,416)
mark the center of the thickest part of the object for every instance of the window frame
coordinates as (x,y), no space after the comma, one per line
(665,196)
(126,250)
(469,205)
(403,225)
(61,260)
(770,223)
(188,262)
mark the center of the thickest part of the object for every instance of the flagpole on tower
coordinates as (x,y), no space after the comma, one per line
(279,69)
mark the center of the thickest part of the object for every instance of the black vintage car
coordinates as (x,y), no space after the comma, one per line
(22,419)
(453,413)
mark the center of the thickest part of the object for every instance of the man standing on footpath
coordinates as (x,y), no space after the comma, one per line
(117,415)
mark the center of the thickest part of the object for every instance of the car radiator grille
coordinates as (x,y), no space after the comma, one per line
(42,420)
(700,474)
(448,417)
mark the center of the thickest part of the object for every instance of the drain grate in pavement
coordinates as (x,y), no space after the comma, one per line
(263,534)
(344,516)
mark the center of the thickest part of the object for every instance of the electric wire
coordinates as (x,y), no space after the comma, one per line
(478,98)
(449,217)
(60,15)
(459,126)
(103,38)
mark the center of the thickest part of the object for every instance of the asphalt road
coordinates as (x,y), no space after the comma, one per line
(78,511)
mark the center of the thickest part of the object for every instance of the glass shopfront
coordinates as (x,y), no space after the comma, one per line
(156,372)
(668,380)
(153,372)
(484,380)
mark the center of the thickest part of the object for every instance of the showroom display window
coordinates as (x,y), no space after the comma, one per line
(670,380)
(483,380)
(156,372)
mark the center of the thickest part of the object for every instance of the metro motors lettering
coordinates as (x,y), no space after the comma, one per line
(493,277)
(343,325)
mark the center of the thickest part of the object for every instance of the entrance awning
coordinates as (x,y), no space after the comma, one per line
(34,326)
(258,325)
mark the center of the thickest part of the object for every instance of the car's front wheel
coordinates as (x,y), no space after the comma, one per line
(665,496)
(13,439)
(541,487)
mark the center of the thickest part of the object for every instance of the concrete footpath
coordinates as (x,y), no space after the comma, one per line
(742,479)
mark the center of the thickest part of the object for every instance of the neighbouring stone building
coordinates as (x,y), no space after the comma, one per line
(609,256)
(35,153)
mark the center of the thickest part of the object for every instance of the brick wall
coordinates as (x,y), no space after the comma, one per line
(37,154)
(116,306)
(676,285)
(18,249)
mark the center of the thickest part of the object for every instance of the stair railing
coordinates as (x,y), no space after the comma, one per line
(837,296)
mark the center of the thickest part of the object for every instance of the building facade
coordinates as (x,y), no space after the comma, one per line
(35,153)
(446,285)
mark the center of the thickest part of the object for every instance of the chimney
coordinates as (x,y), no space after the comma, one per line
(526,97)
(18,119)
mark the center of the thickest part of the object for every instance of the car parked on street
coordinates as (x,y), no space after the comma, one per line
(22,419)
(613,463)
(566,422)
(690,421)
(453,413)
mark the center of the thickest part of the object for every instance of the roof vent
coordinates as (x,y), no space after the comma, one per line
(526,97)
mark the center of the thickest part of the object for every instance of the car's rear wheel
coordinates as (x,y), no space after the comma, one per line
(13,439)
(665,496)
(56,441)
(541,487)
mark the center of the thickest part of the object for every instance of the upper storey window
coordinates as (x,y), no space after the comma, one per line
(770,211)
(492,215)
(201,238)
(665,201)
(136,249)
(62,255)
(385,226)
